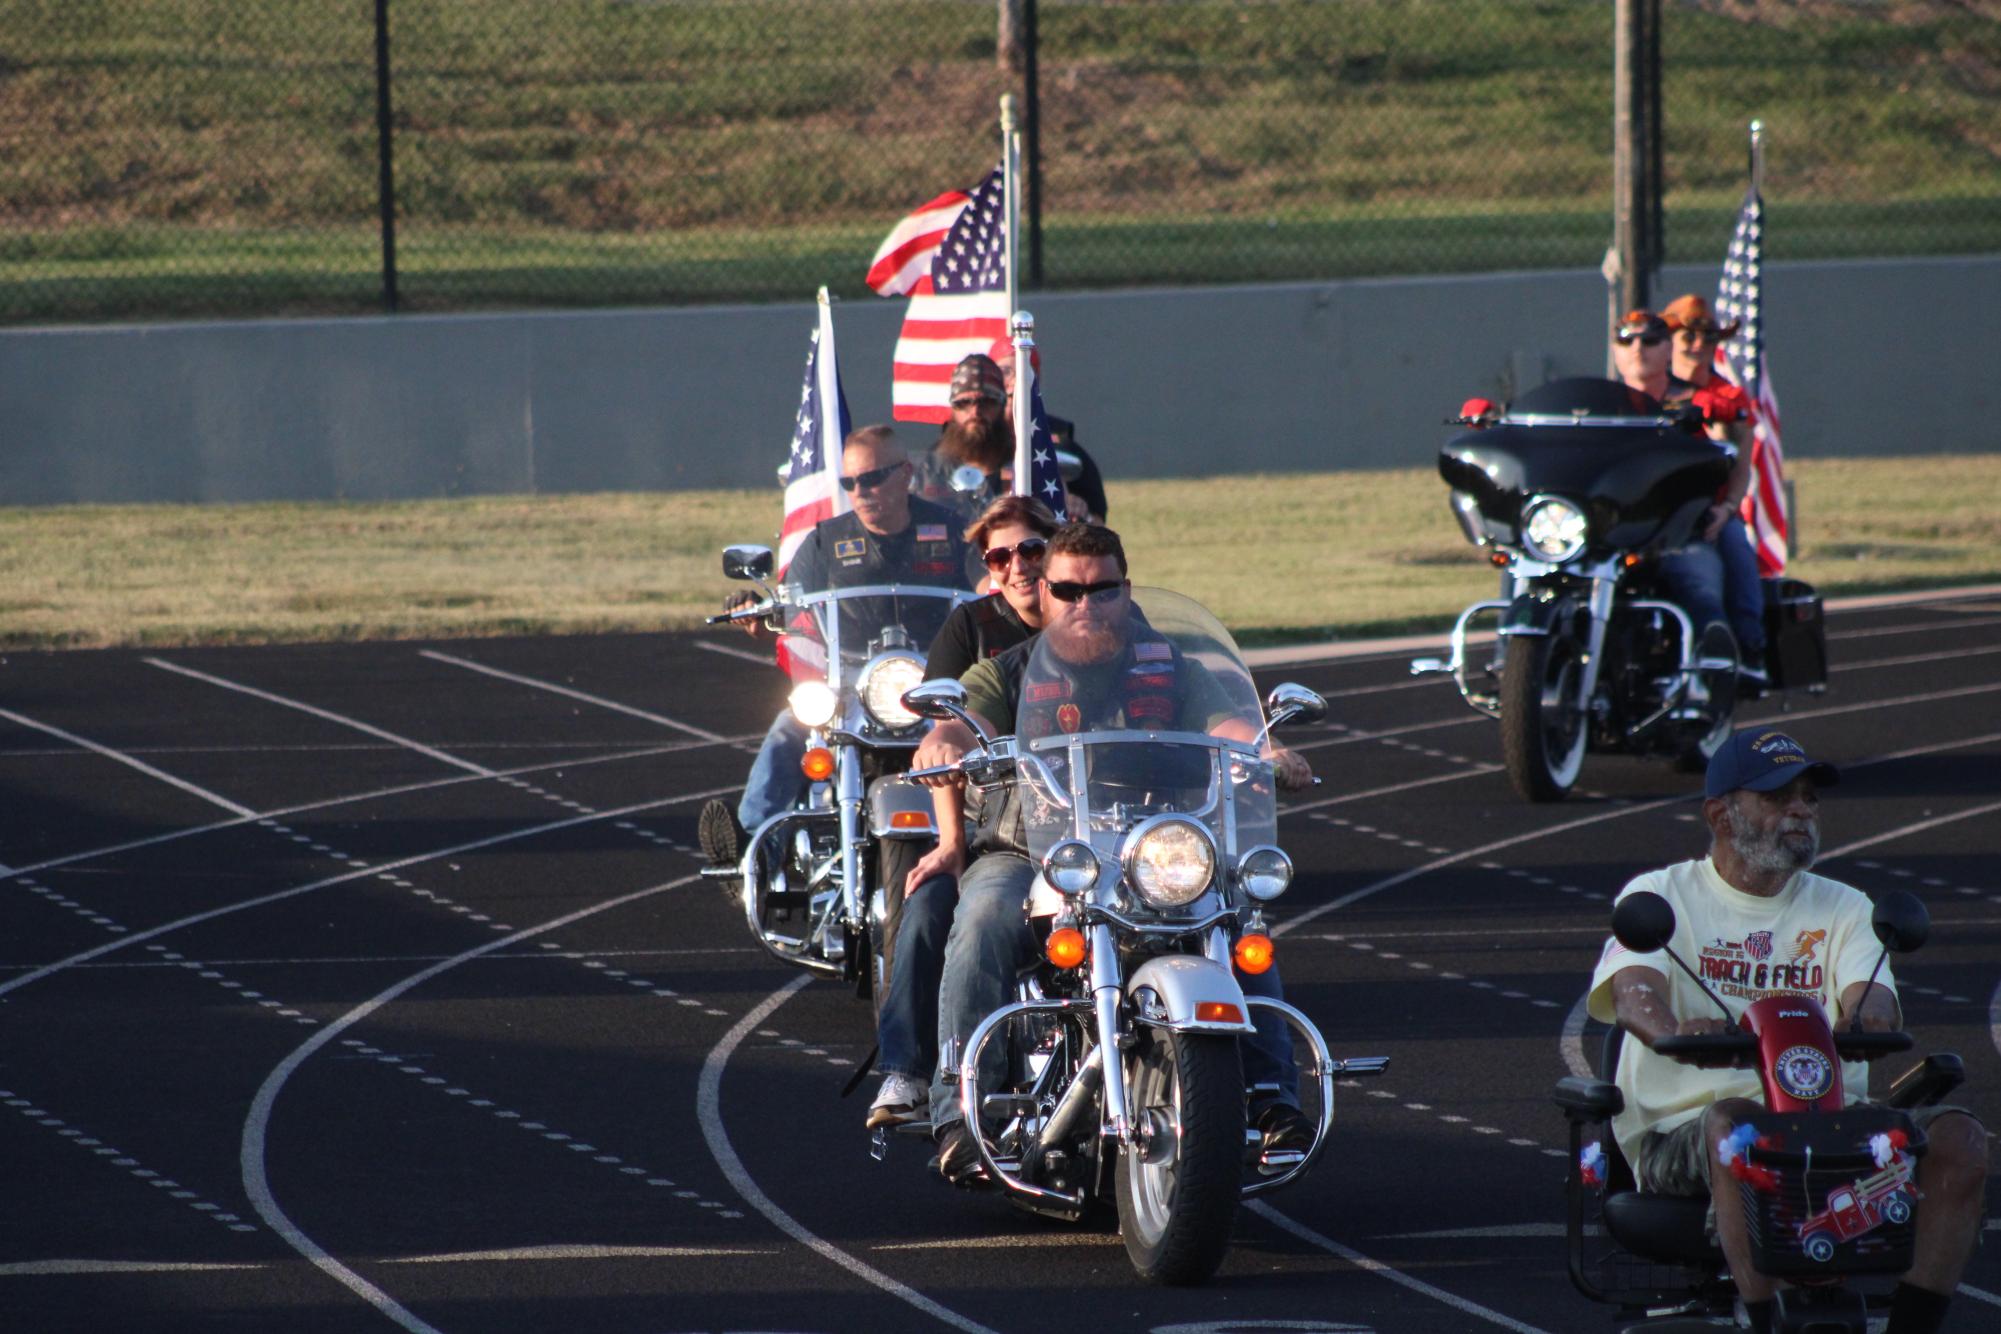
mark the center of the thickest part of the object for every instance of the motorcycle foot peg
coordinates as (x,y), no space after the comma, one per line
(1008,1104)
(878,1143)
(1280,1160)
(720,873)
(1361,1067)
(1426,666)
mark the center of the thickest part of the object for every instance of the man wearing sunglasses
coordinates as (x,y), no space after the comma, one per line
(888,537)
(1644,355)
(1086,491)
(977,435)
(1093,631)
(1012,535)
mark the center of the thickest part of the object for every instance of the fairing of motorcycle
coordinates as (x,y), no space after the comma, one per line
(1156,851)
(808,879)
(1575,489)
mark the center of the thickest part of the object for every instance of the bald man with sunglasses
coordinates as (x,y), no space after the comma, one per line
(1091,628)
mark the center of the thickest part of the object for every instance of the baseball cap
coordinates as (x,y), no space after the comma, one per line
(977,374)
(1760,761)
(1692,312)
(1641,324)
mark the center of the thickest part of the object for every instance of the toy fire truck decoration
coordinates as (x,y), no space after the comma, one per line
(1851,1210)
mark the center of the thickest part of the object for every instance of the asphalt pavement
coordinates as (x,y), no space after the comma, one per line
(357,987)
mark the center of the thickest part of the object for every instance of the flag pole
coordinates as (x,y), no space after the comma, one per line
(829,390)
(1752,369)
(1011,192)
(1021,328)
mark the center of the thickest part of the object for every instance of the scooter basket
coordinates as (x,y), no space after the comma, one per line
(1817,1203)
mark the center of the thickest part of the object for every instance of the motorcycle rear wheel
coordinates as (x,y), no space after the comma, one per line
(1543,733)
(1178,1192)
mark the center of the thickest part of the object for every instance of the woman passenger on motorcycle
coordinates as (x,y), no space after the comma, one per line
(1011,537)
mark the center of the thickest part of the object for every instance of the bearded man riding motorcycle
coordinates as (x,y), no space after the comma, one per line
(1091,630)
(1752,898)
(888,537)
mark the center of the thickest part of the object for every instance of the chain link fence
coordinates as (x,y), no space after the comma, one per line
(173,158)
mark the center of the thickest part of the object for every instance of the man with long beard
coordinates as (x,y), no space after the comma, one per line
(1753,920)
(1094,638)
(977,435)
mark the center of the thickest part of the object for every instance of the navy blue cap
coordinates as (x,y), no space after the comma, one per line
(1761,761)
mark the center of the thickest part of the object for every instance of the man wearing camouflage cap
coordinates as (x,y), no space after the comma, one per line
(978,435)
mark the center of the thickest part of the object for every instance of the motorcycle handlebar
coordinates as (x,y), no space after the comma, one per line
(750,611)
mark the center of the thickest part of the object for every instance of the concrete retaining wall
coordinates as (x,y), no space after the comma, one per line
(1869,358)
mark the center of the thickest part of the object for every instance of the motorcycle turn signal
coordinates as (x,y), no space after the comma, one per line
(1253,952)
(818,764)
(1065,947)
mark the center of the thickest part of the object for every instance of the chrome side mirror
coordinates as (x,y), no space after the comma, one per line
(748,562)
(1290,703)
(940,700)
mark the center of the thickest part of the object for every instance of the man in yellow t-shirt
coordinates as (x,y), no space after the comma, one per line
(1754,922)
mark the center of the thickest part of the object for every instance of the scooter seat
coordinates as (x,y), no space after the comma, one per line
(1668,1228)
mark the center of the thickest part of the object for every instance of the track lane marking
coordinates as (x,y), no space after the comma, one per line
(761,659)
(256,1182)
(708,1106)
(213,798)
(317,712)
(554,689)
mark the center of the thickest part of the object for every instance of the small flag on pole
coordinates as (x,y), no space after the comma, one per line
(812,469)
(1740,297)
(950,258)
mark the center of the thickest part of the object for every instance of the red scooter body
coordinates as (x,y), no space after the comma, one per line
(1796,1057)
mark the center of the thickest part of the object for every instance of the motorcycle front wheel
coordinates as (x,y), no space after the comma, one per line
(1179,1184)
(1543,732)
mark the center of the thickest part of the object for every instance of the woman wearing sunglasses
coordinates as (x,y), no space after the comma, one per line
(1011,535)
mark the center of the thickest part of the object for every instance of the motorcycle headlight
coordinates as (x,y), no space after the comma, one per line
(1071,867)
(813,703)
(1553,529)
(1263,873)
(1170,861)
(882,685)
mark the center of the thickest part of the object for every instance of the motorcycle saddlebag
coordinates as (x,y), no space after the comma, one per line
(1821,1206)
(1795,635)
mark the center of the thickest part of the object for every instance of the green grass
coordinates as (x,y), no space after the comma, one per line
(1337,554)
(202,156)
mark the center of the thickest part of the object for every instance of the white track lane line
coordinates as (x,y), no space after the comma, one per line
(1876,632)
(1297,808)
(708,1105)
(256,1182)
(1905,831)
(1381,1270)
(761,659)
(183,784)
(317,712)
(91,854)
(346,877)
(565,691)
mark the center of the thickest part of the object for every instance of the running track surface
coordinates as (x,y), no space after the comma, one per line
(368,987)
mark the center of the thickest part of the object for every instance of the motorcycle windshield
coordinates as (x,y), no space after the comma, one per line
(831,633)
(1149,710)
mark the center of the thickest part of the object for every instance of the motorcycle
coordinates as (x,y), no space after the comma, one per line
(1157,851)
(1575,490)
(811,881)
(1829,1190)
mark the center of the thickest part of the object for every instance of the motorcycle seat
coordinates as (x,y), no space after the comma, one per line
(1661,1227)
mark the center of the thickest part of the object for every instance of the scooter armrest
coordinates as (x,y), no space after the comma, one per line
(1588,1100)
(1926,1083)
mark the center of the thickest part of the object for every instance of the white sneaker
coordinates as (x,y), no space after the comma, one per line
(901,1098)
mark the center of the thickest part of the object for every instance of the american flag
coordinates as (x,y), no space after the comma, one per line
(1740,296)
(950,257)
(811,494)
(1043,477)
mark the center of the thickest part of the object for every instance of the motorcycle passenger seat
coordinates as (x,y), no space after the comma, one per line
(1925,1084)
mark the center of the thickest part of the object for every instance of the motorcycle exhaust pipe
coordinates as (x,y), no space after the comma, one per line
(1073,1106)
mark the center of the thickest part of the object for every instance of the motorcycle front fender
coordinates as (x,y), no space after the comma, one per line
(1171,990)
(1532,615)
(894,795)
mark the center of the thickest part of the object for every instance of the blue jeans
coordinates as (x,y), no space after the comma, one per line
(1743,587)
(990,942)
(775,782)
(1694,577)
(907,1026)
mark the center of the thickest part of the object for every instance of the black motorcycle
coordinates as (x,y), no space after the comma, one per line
(1576,490)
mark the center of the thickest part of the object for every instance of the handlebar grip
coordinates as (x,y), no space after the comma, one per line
(935,771)
(1873,1044)
(1706,1044)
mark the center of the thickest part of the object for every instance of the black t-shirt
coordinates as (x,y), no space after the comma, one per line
(973,631)
(841,553)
